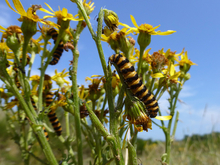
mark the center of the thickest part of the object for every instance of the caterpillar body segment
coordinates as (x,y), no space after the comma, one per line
(55,122)
(135,84)
(52,115)
(59,50)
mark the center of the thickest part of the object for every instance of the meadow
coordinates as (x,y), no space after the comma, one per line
(192,150)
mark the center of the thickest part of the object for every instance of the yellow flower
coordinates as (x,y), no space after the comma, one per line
(30,14)
(59,77)
(88,6)
(169,74)
(57,104)
(82,93)
(60,15)
(35,78)
(1,90)
(117,40)
(170,55)
(111,19)
(145,28)
(185,60)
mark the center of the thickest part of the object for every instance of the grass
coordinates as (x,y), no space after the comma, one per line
(192,150)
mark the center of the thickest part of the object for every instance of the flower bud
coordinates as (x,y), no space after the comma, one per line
(33,46)
(144,39)
(124,45)
(13,36)
(28,27)
(111,19)
(185,67)
(187,76)
(145,67)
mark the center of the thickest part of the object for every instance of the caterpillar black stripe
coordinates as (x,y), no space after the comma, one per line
(52,115)
(15,68)
(35,108)
(135,83)
(59,50)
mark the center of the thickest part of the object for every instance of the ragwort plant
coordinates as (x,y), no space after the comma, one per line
(129,100)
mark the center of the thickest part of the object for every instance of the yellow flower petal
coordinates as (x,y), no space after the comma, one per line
(168,32)
(64,12)
(157,75)
(49,7)
(163,117)
(1,27)
(10,6)
(122,24)
(19,7)
(46,11)
(175,76)
(96,76)
(133,21)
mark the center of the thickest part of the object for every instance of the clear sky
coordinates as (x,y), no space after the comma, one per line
(197,24)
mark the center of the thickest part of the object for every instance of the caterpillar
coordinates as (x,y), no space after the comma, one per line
(15,68)
(52,115)
(59,50)
(35,108)
(135,84)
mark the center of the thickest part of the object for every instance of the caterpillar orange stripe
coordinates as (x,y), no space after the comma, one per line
(59,50)
(15,68)
(52,115)
(135,84)
(35,108)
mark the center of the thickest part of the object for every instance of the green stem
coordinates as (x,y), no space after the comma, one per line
(173,101)
(31,63)
(76,107)
(67,123)
(109,138)
(140,60)
(44,67)
(103,109)
(151,85)
(175,123)
(44,143)
(132,154)
(108,87)
(25,45)
(40,88)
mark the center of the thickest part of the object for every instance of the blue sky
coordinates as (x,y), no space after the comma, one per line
(197,25)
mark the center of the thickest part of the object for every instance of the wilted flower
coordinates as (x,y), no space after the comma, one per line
(158,62)
(95,89)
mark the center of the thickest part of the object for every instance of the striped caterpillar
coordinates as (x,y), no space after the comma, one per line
(135,84)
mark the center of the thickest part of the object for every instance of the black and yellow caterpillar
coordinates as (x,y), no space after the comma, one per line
(135,84)
(52,115)
(59,50)
(35,108)
(15,68)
